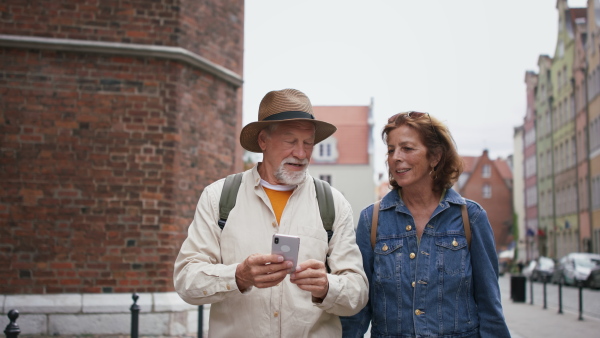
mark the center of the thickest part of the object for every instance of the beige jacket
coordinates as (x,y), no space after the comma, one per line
(205,268)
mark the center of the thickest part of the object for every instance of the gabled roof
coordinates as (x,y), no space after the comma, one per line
(353,131)
(503,168)
(470,162)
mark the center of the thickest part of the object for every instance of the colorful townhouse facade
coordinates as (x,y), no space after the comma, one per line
(543,108)
(529,225)
(566,122)
(593,121)
(519,195)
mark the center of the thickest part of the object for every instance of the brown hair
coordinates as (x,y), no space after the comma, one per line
(437,139)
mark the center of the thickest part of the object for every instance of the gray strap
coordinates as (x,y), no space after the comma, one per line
(326,206)
(228,197)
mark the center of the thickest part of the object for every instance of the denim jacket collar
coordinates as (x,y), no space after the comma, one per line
(393,200)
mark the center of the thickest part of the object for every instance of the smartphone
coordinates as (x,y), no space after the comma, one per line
(286,246)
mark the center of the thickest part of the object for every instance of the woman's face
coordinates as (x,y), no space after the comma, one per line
(407,158)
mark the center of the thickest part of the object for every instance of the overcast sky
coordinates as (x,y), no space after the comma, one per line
(463,61)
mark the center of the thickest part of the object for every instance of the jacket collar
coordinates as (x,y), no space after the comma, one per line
(393,199)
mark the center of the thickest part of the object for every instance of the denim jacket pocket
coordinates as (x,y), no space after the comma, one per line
(387,261)
(452,254)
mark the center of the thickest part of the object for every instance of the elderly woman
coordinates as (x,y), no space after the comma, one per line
(431,273)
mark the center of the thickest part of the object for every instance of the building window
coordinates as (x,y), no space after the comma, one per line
(487,171)
(487,191)
(326,178)
(326,151)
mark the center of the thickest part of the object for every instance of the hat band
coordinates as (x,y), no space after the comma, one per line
(287,115)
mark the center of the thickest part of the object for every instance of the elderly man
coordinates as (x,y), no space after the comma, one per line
(252,291)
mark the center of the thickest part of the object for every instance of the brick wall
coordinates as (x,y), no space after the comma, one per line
(212,28)
(103,157)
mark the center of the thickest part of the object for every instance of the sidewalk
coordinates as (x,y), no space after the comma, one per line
(530,321)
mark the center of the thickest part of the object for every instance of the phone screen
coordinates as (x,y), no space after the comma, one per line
(286,246)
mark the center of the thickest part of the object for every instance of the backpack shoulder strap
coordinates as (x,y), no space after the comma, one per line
(374,223)
(326,207)
(466,224)
(228,197)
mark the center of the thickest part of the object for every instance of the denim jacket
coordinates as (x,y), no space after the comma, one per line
(436,288)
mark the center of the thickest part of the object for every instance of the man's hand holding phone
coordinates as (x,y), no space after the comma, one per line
(312,276)
(262,271)
(265,271)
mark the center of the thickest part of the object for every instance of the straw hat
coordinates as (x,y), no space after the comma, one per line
(283,105)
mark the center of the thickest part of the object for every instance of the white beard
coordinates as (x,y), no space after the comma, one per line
(291,177)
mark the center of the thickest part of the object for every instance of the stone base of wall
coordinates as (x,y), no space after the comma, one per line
(161,314)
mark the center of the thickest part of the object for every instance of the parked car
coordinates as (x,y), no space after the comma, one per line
(543,270)
(558,271)
(539,269)
(593,280)
(528,269)
(576,267)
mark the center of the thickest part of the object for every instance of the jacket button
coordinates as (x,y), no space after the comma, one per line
(228,287)
(276,314)
(274,224)
(413,284)
(384,247)
(204,292)
(419,312)
(408,228)
(454,242)
(412,255)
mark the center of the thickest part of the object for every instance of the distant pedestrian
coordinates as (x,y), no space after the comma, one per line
(520,266)
(426,279)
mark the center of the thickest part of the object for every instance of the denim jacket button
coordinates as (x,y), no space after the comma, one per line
(413,284)
(419,312)
(454,242)
(412,255)
(408,228)
(384,247)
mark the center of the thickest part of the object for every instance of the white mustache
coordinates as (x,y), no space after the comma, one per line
(292,160)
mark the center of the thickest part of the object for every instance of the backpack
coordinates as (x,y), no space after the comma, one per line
(324,198)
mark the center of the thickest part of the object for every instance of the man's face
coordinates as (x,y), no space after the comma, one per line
(286,152)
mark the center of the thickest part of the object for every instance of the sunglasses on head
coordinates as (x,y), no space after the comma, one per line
(414,115)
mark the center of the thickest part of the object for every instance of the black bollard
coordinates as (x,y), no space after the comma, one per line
(580,285)
(560,297)
(12,329)
(531,290)
(200,321)
(545,281)
(135,313)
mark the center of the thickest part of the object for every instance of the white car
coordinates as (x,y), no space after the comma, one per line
(528,269)
(576,267)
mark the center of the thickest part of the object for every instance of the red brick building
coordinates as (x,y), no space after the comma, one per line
(113,118)
(489,183)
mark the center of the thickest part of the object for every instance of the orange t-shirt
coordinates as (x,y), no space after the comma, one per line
(278,200)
